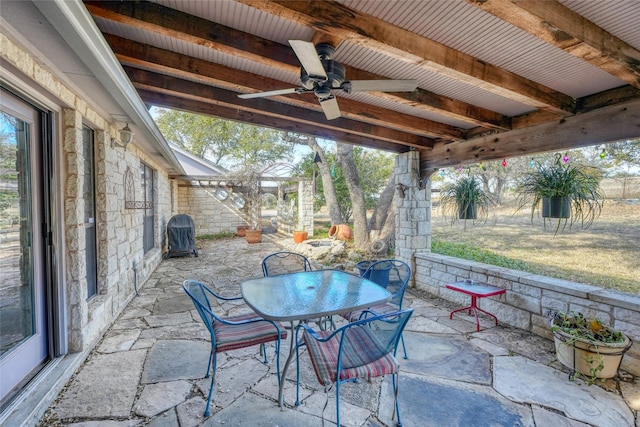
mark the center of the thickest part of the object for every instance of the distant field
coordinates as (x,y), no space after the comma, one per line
(607,254)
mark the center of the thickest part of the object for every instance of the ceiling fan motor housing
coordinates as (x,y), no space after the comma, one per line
(335,76)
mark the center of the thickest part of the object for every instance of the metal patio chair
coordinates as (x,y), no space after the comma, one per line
(233,332)
(362,349)
(284,262)
(393,275)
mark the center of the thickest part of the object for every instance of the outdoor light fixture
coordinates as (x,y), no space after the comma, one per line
(126,136)
(401,188)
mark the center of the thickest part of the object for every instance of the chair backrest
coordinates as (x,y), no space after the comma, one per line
(372,338)
(391,274)
(284,262)
(199,294)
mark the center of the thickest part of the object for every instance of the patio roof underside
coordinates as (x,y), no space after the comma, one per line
(496,78)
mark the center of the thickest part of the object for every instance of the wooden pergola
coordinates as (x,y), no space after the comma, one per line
(496,78)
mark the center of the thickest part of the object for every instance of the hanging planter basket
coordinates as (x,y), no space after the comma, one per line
(468,211)
(556,207)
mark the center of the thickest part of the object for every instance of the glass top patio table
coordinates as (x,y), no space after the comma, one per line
(311,294)
(296,297)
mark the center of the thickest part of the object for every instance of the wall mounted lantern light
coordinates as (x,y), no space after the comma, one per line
(126,136)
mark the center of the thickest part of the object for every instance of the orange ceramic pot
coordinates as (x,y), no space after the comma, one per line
(340,232)
(242,230)
(300,236)
(254,236)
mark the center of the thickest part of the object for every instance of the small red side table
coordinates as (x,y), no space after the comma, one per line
(476,290)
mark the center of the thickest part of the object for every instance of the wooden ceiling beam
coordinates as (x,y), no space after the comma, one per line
(606,124)
(197,91)
(349,24)
(560,26)
(162,61)
(175,24)
(152,97)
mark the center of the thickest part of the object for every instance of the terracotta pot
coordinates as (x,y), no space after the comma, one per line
(340,232)
(300,236)
(584,357)
(254,236)
(242,230)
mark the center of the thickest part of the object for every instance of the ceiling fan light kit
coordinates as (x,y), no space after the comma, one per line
(322,75)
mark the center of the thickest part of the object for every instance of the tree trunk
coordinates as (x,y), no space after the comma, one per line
(384,207)
(327,182)
(360,230)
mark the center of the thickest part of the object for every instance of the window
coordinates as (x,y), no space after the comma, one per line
(88,194)
(148,190)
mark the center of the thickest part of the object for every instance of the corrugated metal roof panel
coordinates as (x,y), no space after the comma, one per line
(623,20)
(463,27)
(242,17)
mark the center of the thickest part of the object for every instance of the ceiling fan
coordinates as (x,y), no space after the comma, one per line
(322,75)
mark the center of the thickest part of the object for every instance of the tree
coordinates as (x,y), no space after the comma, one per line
(225,143)
(370,179)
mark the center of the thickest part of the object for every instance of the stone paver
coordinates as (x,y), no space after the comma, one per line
(149,368)
(105,387)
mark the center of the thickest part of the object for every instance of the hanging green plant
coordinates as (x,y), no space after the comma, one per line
(569,193)
(465,200)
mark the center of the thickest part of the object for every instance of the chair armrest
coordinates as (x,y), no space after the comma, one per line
(315,334)
(368,312)
(206,288)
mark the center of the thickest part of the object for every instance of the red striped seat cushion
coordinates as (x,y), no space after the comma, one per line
(231,337)
(362,356)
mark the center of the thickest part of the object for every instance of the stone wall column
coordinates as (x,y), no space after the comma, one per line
(74,227)
(305,206)
(413,211)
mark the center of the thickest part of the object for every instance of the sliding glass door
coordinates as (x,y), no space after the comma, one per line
(23,320)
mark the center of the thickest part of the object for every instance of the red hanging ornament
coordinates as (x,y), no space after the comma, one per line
(504,163)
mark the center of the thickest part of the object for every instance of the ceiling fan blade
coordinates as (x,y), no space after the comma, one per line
(330,107)
(380,86)
(268,93)
(308,57)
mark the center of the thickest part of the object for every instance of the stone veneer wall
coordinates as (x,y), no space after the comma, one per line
(530,298)
(121,259)
(287,221)
(413,212)
(210,215)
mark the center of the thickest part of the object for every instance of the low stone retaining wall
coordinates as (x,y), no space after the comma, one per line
(531,298)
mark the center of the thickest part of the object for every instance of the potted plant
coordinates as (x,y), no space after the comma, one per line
(562,191)
(465,199)
(585,345)
(300,234)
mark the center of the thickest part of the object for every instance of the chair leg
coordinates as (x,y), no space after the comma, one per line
(263,351)
(207,410)
(211,356)
(338,401)
(395,378)
(278,359)
(297,374)
(404,348)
